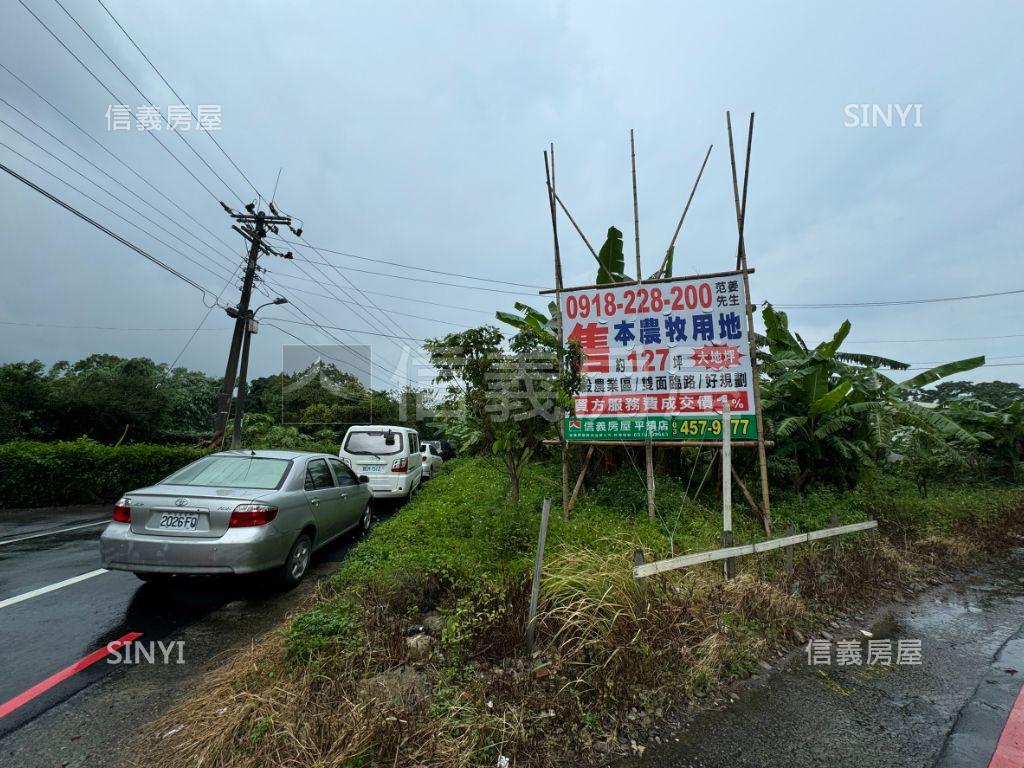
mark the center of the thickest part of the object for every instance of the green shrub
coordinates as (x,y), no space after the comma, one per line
(331,626)
(82,471)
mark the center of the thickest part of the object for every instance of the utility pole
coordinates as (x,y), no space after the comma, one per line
(251,327)
(253,226)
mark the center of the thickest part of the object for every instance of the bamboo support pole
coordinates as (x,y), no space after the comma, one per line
(636,206)
(754,371)
(577,228)
(682,217)
(549,174)
(579,480)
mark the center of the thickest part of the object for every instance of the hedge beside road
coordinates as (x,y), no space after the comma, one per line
(82,471)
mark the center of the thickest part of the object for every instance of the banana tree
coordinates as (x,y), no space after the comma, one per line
(835,413)
(534,326)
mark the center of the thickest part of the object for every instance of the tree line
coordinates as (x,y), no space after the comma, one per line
(114,399)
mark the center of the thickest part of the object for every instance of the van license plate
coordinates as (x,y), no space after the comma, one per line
(373,468)
(178,521)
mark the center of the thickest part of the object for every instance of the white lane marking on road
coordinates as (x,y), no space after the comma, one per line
(50,588)
(53,533)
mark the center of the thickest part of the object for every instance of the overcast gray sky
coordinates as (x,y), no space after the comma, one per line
(413,132)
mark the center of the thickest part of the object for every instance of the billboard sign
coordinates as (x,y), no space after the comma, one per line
(658,358)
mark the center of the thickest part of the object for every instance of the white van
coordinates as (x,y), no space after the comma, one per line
(389,457)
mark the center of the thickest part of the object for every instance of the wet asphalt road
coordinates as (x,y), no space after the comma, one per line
(71,724)
(947,712)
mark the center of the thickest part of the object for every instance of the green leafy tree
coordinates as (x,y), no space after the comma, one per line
(25,401)
(192,400)
(105,397)
(497,401)
(998,394)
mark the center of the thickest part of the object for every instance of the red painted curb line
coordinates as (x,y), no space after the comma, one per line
(1010,749)
(42,687)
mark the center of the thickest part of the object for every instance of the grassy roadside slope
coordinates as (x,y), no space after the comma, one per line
(344,684)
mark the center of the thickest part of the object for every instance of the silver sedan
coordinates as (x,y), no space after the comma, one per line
(237,512)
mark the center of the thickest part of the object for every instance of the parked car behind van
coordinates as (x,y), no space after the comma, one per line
(389,456)
(443,448)
(432,460)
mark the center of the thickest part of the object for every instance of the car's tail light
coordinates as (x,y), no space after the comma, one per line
(249,515)
(122,512)
(345,461)
(400,465)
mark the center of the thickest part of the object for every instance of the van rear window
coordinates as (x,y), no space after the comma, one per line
(377,443)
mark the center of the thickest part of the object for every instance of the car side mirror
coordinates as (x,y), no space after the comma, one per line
(364,479)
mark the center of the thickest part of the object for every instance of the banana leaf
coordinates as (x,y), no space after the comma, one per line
(612,262)
(940,372)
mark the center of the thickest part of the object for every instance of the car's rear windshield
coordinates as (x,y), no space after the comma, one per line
(232,472)
(374,443)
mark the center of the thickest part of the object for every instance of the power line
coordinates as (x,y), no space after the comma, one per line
(416,266)
(176,95)
(388,295)
(163,265)
(166,149)
(985,365)
(928,341)
(202,321)
(901,302)
(367,306)
(117,181)
(107,208)
(114,96)
(180,99)
(418,279)
(78,326)
(125,165)
(117,99)
(145,98)
(127,205)
(348,330)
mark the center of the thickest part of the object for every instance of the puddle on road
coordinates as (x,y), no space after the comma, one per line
(961,610)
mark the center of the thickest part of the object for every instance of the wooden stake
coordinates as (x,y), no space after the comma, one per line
(579,480)
(762,459)
(735,182)
(790,530)
(682,217)
(641,581)
(538,564)
(549,174)
(636,207)
(746,495)
(649,458)
(741,247)
(577,227)
(730,564)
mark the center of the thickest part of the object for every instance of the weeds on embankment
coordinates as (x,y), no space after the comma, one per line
(343,684)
